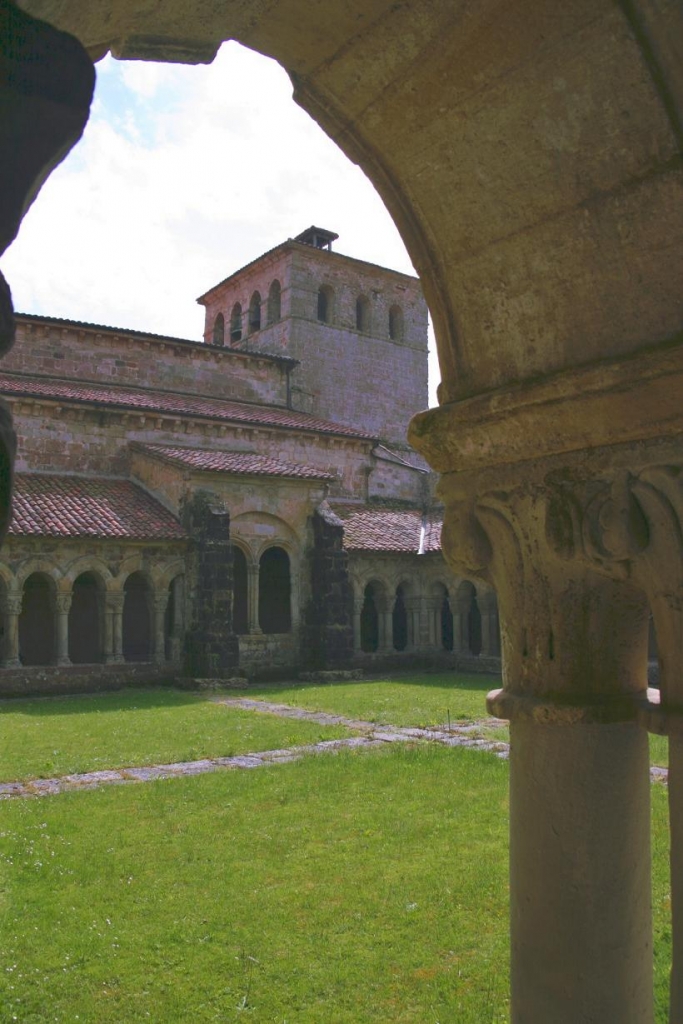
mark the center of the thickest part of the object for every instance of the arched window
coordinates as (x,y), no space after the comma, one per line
(240,606)
(274,302)
(363,314)
(396,323)
(399,620)
(137,624)
(369,621)
(274,596)
(219,331)
(325,304)
(236,324)
(37,621)
(255,313)
(86,616)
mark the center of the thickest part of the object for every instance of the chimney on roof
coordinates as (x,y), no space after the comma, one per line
(319,238)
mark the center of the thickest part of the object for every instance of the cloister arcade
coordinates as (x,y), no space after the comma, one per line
(531,156)
(424,616)
(88,616)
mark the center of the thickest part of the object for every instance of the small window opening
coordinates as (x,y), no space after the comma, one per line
(396,323)
(236,324)
(219,331)
(274,302)
(325,296)
(255,313)
(362,314)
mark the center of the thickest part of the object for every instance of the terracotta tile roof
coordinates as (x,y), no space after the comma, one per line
(211,461)
(49,505)
(167,338)
(388,526)
(169,403)
(432,535)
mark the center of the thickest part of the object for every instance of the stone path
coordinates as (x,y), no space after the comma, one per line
(371,735)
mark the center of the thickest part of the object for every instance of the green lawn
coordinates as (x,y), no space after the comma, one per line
(403,700)
(44,737)
(357,889)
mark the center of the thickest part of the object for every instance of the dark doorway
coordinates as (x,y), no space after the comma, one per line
(137,625)
(369,621)
(85,620)
(474,626)
(399,621)
(274,598)
(37,621)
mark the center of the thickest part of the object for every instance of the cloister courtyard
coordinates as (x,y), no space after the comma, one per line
(284,853)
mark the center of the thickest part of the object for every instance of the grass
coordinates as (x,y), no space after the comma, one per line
(45,737)
(348,889)
(352,889)
(422,700)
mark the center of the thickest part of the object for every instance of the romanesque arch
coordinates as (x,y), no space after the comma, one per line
(86,619)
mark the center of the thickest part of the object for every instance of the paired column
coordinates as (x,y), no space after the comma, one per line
(252,597)
(113,629)
(62,607)
(12,613)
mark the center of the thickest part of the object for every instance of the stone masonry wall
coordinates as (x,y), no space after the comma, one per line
(211,647)
(327,634)
(76,439)
(120,357)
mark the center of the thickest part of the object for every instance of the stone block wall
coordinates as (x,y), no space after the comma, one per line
(211,647)
(138,360)
(327,633)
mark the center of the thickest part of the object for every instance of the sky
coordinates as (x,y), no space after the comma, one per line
(183,175)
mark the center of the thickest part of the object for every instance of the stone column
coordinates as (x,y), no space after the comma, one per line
(461,642)
(575,633)
(62,606)
(434,622)
(356,626)
(386,633)
(13,611)
(252,597)
(159,605)
(113,629)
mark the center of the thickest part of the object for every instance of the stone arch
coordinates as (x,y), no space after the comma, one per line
(275,590)
(363,314)
(44,564)
(236,324)
(325,307)
(254,320)
(87,563)
(218,336)
(38,619)
(396,323)
(86,618)
(274,302)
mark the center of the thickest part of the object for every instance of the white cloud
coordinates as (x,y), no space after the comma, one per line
(183,175)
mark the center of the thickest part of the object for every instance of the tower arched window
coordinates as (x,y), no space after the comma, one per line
(255,313)
(396,323)
(363,314)
(325,304)
(236,324)
(219,331)
(274,302)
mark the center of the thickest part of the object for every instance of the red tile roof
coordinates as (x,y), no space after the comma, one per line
(212,461)
(169,403)
(389,527)
(48,505)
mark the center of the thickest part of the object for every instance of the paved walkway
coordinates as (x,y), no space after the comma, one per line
(370,735)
